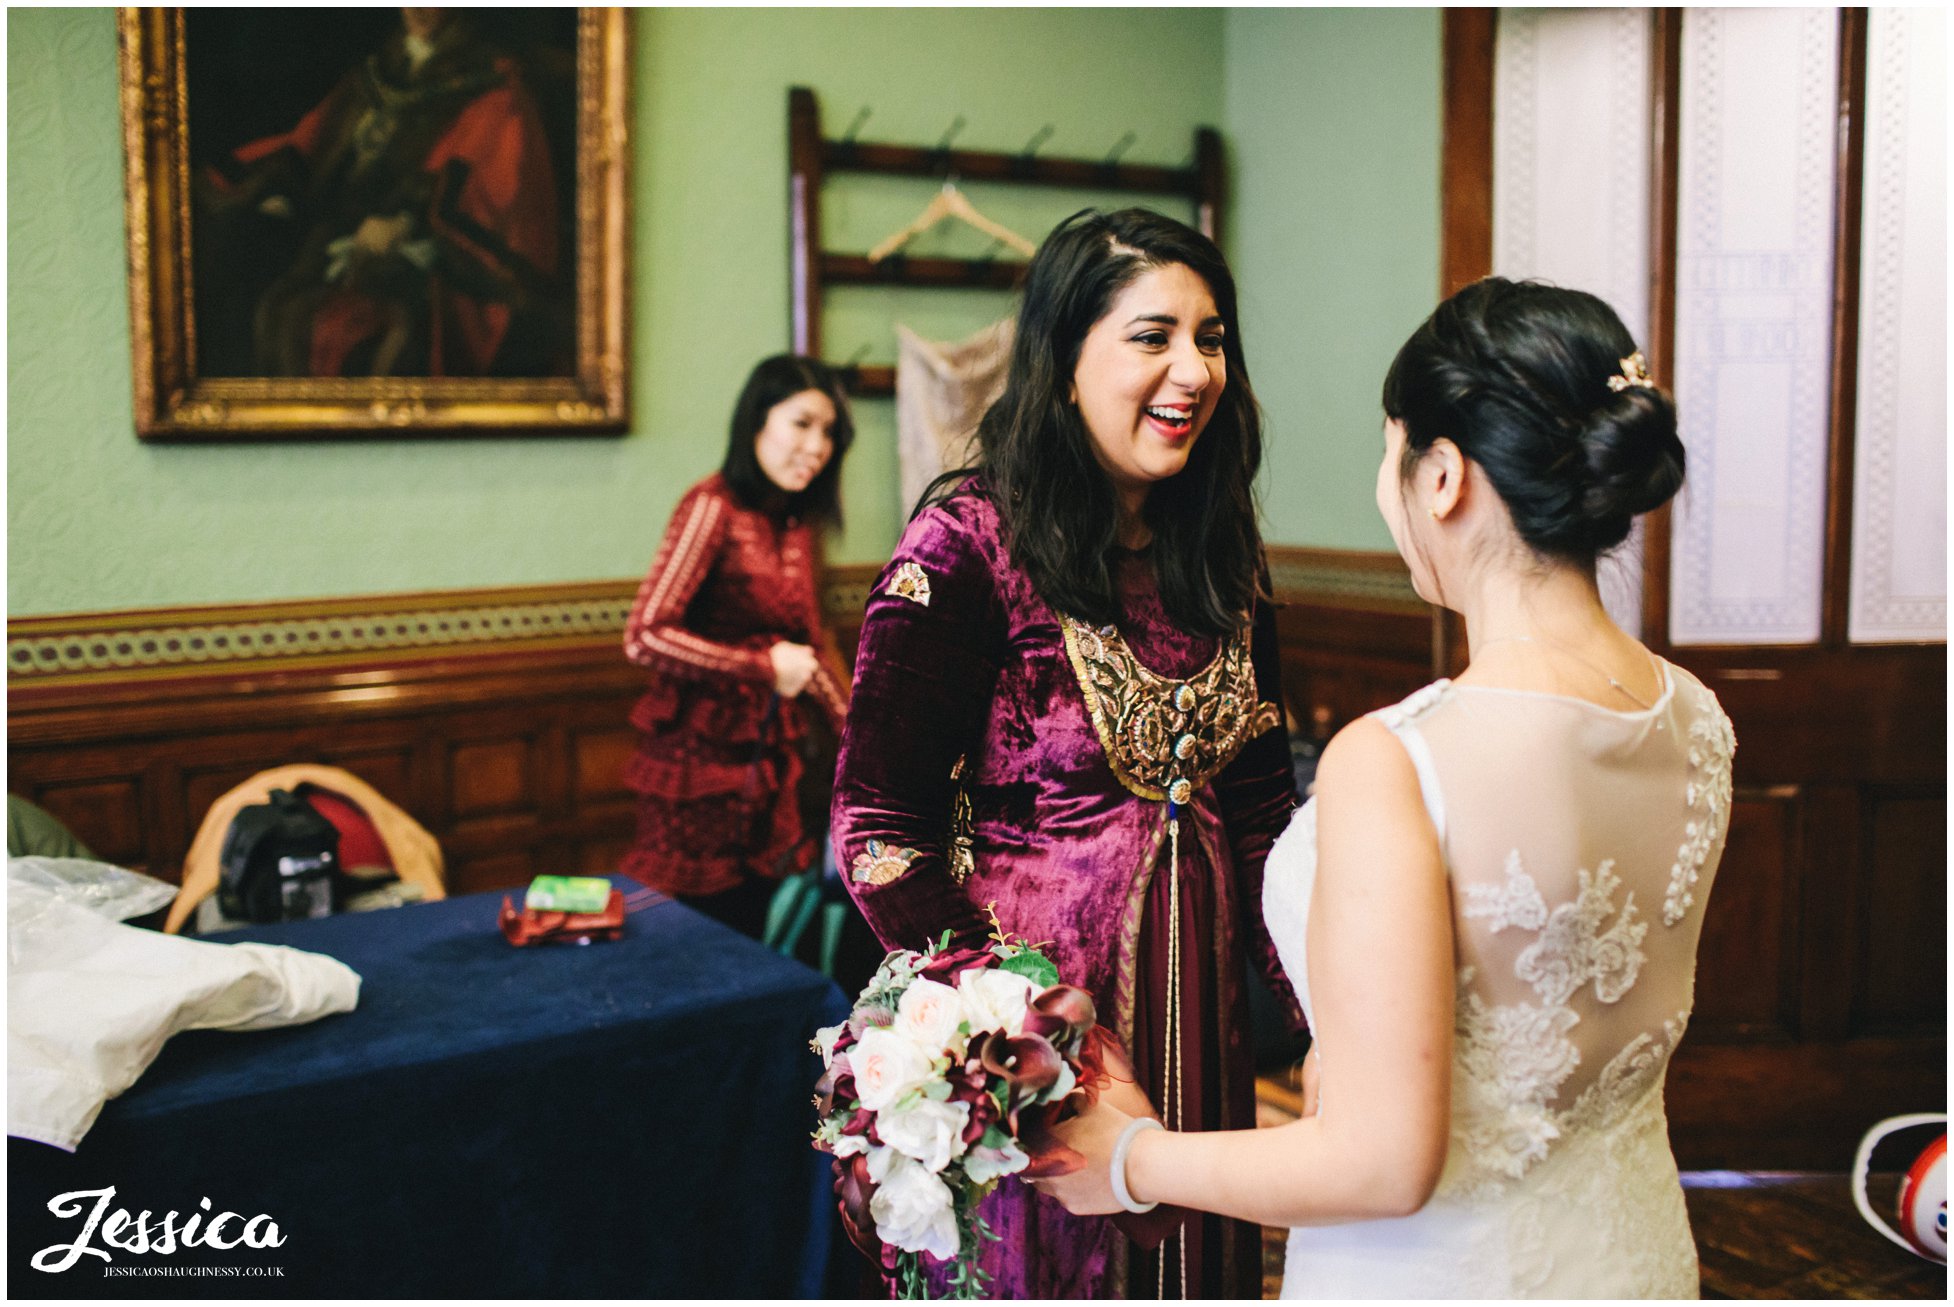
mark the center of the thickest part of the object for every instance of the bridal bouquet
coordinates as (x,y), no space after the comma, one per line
(941,1083)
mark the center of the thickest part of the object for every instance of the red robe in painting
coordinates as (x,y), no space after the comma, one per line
(451,148)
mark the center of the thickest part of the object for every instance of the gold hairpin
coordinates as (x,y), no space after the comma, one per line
(1635,372)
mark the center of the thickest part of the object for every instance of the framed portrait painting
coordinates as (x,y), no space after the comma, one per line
(348,222)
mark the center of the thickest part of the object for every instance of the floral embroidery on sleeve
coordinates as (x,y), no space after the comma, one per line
(911,582)
(878,864)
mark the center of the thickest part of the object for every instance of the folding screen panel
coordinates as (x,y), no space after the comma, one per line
(1754,323)
(1899,500)
(1571,181)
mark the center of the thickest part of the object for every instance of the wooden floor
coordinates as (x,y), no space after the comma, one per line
(1758,1234)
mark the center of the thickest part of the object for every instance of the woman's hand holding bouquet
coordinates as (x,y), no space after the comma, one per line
(946,1078)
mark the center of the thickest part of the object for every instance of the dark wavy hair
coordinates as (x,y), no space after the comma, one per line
(772,380)
(1516,375)
(1035,459)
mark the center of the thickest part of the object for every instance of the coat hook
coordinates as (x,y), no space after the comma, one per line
(950,135)
(854,360)
(1125,144)
(1042,135)
(848,137)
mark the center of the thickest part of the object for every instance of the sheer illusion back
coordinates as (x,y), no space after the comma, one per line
(1581,844)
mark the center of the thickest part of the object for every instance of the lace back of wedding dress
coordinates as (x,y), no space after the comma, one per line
(1581,844)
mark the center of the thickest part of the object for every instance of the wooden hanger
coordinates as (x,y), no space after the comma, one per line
(951,203)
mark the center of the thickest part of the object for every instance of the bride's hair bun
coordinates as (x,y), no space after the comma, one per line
(1634,458)
(1517,375)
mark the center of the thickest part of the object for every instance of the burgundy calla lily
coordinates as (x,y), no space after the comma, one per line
(854,1189)
(945,967)
(1028,1065)
(1071,1005)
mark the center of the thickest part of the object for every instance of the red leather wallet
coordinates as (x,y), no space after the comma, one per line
(532,926)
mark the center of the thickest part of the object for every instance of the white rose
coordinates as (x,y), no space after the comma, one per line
(929,1013)
(995,1000)
(983,1164)
(824,1042)
(911,1208)
(929,1131)
(886,1066)
(849,1145)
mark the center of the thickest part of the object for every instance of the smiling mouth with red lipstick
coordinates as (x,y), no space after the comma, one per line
(1173,423)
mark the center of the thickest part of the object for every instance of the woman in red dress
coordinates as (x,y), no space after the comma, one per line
(730,626)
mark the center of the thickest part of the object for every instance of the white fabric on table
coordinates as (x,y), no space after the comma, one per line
(90,1003)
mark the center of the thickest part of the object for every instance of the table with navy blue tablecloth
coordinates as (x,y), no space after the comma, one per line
(625,1119)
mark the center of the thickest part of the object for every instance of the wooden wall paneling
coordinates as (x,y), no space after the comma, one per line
(106,814)
(1832,910)
(1796,1107)
(1747,971)
(1465,210)
(492,776)
(1902,946)
(1466,149)
(1665,161)
(1847,217)
(598,755)
(1339,663)
(164,822)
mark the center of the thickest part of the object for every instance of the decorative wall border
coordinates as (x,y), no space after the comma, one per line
(172,642)
(76,649)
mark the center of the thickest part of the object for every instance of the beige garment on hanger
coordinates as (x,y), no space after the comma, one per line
(416,856)
(942,389)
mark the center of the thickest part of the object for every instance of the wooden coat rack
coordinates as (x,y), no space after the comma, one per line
(812,269)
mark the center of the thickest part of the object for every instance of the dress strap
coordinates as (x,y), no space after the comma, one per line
(1401,719)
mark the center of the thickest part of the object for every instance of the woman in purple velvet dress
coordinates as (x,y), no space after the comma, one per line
(1065,711)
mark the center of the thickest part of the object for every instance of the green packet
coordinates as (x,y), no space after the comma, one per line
(568,894)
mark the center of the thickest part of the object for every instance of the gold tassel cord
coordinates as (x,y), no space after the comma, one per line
(1174,1073)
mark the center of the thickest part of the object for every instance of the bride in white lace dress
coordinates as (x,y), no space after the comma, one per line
(1492,904)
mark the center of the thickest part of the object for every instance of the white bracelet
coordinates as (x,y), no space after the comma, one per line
(1120,1149)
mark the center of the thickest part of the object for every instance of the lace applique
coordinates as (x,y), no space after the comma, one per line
(1629,1075)
(1711,745)
(1573,949)
(1514,1058)
(1409,710)
(1516,903)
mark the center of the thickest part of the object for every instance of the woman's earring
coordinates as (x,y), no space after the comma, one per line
(1433,510)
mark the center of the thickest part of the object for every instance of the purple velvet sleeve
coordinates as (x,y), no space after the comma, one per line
(1257,793)
(924,672)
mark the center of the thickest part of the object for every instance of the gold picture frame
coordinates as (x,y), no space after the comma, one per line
(233,359)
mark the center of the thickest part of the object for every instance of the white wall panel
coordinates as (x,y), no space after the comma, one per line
(1571,180)
(1899,506)
(1753,323)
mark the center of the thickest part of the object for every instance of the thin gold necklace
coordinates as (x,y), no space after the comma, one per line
(1635,698)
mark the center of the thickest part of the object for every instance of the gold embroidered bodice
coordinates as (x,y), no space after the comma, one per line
(1166,736)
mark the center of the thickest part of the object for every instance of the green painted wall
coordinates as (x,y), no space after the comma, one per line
(1332,122)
